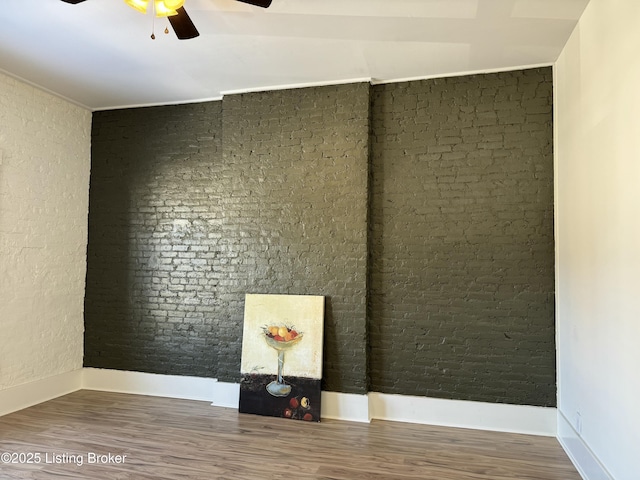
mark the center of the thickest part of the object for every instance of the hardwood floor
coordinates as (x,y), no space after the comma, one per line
(182,439)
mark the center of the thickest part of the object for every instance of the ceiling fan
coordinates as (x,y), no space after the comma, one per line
(173,9)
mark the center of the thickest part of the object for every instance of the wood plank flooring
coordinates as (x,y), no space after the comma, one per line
(182,439)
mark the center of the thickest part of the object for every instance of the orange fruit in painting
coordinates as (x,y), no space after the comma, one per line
(273,330)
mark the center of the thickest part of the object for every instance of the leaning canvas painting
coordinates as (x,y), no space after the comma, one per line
(281,364)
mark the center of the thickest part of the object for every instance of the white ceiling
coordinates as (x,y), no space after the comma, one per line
(99,53)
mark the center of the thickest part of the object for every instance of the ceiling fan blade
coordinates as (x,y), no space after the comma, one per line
(74,2)
(258,3)
(182,25)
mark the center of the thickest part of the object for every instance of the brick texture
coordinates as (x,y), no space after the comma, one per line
(44,190)
(150,295)
(422,210)
(295,178)
(193,206)
(461,238)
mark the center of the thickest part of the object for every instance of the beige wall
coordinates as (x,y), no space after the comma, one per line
(598,236)
(44,183)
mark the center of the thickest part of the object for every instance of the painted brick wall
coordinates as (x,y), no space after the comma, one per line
(44,184)
(151,280)
(461,235)
(193,206)
(445,236)
(297,205)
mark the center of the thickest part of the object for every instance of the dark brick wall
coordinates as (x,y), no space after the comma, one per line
(150,295)
(296,202)
(422,210)
(193,206)
(461,238)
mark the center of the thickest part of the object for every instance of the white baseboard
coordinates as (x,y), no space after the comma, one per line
(23,396)
(498,417)
(432,411)
(579,452)
(138,383)
(342,406)
(345,406)
(226,395)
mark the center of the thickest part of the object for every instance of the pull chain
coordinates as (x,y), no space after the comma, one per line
(153,25)
(153,22)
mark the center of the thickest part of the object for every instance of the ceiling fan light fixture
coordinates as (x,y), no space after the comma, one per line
(173,4)
(162,10)
(140,5)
